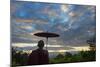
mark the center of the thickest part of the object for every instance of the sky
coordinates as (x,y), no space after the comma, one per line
(74,23)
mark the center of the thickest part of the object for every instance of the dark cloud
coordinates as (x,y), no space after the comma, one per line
(74,23)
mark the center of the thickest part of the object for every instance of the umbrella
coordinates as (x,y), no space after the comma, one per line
(47,35)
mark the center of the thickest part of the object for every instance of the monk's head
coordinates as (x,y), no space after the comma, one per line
(41,44)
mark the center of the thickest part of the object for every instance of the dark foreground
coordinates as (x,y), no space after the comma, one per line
(20,59)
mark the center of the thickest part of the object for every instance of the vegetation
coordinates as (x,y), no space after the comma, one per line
(82,56)
(19,58)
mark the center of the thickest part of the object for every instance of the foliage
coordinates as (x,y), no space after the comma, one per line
(82,56)
(19,58)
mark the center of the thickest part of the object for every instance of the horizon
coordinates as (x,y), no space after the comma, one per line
(51,48)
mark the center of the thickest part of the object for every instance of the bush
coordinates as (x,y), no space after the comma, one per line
(82,56)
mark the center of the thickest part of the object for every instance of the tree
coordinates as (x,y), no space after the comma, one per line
(59,56)
(92,44)
(68,54)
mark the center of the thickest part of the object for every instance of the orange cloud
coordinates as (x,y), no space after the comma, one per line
(37,21)
(24,20)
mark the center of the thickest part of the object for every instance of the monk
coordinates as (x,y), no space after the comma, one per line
(39,56)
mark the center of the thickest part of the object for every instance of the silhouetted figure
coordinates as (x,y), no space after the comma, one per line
(39,56)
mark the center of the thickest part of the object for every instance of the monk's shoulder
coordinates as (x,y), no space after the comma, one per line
(45,51)
(34,51)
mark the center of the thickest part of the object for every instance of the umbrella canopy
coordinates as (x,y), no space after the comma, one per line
(47,35)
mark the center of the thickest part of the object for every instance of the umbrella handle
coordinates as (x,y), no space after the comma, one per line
(46,42)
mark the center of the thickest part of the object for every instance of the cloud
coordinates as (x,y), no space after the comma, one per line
(74,23)
(26,27)
(35,21)
(64,8)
